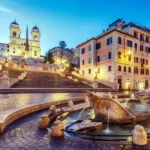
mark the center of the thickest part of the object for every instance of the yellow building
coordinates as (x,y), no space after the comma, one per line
(23,47)
(121,54)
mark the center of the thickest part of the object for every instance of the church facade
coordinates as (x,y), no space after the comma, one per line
(23,47)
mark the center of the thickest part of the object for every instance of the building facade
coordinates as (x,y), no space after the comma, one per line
(119,54)
(67,53)
(23,47)
(4,48)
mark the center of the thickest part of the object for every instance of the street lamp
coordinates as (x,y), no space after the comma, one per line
(96,71)
(25,57)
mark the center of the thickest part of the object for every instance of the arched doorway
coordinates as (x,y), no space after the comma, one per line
(128,84)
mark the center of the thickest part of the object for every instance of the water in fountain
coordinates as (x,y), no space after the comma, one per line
(81,113)
(107,130)
(132,96)
(126,103)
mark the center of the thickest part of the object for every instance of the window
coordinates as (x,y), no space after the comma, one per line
(98,58)
(135,34)
(147,39)
(98,46)
(147,49)
(82,62)
(147,72)
(136,70)
(35,53)
(14,52)
(109,68)
(35,37)
(124,68)
(119,40)
(82,50)
(119,68)
(141,37)
(104,58)
(141,48)
(142,61)
(89,47)
(129,69)
(89,60)
(129,43)
(89,71)
(129,58)
(109,41)
(109,55)
(119,55)
(142,71)
(146,62)
(135,46)
(14,34)
(136,59)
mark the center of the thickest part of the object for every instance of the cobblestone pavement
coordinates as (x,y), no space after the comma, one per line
(10,101)
(25,135)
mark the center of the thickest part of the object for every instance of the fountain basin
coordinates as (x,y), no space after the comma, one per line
(118,113)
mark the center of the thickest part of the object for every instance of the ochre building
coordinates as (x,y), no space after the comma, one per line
(119,54)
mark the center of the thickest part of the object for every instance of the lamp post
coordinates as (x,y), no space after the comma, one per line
(96,71)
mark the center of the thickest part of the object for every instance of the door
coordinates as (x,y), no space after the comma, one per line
(120,83)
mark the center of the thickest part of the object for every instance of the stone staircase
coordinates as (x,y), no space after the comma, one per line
(47,80)
(85,81)
(12,73)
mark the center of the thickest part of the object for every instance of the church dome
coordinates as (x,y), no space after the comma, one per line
(14,23)
(35,28)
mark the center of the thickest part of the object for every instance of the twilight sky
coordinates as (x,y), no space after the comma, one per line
(73,21)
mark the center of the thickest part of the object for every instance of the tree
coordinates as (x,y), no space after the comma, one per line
(62,44)
(49,57)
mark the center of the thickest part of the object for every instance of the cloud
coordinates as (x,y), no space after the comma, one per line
(6,10)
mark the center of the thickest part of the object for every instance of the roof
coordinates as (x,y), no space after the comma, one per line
(102,35)
(14,23)
(35,28)
(115,23)
(131,24)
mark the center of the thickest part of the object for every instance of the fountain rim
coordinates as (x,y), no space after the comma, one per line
(92,136)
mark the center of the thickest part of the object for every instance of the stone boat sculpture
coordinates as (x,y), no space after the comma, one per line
(105,107)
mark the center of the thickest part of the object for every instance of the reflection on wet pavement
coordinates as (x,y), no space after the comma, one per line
(10,101)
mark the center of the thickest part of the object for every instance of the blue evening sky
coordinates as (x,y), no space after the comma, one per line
(73,21)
